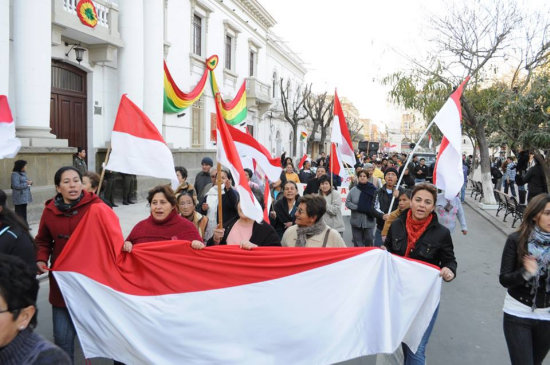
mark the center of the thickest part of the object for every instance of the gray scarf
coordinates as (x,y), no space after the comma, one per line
(304,233)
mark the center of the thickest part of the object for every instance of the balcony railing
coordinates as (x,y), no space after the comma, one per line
(102,11)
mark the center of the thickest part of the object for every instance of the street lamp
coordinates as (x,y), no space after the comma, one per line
(78,51)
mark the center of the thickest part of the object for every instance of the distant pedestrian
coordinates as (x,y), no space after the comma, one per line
(448,210)
(524,271)
(184,186)
(535,179)
(360,201)
(305,173)
(79,160)
(203,177)
(510,176)
(420,172)
(333,216)
(21,188)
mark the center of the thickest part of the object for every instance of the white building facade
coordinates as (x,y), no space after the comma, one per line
(64,79)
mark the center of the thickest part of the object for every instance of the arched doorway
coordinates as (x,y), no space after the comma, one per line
(68,104)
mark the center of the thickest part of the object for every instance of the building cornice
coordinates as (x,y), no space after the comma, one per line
(256,10)
(286,52)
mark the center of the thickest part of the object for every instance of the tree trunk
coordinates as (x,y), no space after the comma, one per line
(485,164)
(546,169)
(323,137)
(294,139)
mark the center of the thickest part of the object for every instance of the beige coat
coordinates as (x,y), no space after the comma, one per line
(334,238)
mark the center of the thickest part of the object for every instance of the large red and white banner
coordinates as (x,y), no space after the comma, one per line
(9,144)
(165,303)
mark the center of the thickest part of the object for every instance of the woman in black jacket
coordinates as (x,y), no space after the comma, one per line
(417,234)
(524,272)
(244,232)
(284,214)
(535,179)
(15,238)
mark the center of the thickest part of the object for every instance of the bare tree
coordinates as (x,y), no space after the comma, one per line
(320,108)
(293,108)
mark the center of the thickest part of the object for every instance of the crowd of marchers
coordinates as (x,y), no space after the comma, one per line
(409,218)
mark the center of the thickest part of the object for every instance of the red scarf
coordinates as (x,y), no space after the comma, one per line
(415,229)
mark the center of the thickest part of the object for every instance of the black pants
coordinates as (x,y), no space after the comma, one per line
(21,210)
(528,340)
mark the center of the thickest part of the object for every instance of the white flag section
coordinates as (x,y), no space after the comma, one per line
(448,173)
(248,149)
(228,156)
(165,303)
(340,134)
(9,144)
(137,146)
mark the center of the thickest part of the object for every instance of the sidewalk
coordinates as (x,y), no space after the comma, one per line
(490,216)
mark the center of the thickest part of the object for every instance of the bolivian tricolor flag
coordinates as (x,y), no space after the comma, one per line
(176,100)
(234,111)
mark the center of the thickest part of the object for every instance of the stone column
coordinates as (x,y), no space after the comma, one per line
(153,26)
(130,56)
(32,72)
(4,47)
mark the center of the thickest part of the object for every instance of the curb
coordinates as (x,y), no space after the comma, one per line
(489,218)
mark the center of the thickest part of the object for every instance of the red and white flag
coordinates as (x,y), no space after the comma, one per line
(302,161)
(430,141)
(340,134)
(9,144)
(250,149)
(448,174)
(228,156)
(137,147)
(336,165)
(165,303)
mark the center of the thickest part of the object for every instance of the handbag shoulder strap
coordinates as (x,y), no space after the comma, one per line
(326,237)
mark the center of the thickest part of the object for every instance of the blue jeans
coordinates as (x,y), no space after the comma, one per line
(64,332)
(419,358)
(511,184)
(418,181)
(378,238)
(463,192)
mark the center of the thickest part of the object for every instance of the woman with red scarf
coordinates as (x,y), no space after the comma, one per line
(417,234)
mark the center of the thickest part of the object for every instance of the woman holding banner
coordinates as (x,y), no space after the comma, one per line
(417,234)
(59,219)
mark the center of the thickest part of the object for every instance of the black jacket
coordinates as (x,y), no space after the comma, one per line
(14,241)
(305,176)
(424,169)
(263,234)
(535,180)
(435,246)
(282,215)
(230,199)
(511,276)
(384,200)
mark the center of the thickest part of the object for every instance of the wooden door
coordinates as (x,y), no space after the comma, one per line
(68,104)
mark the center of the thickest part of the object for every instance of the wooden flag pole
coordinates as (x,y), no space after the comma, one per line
(103,169)
(219,184)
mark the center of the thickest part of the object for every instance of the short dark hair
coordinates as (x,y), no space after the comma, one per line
(363,172)
(79,149)
(407,192)
(189,194)
(422,159)
(61,171)
(249,172)
(182,170)
(321,167)
(324,178)
(18,165)
(316,205)
(94,178)
(290,182)
(164,189)
(425,186)
(18,286)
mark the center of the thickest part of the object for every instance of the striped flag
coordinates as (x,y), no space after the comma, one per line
(165,303)
(9,144)
(137,146)
(340,134)
(448,174)
(228,156)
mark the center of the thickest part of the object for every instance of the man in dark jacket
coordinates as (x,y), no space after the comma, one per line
(382,201)
(536,180)
(203,177)
(421,172)
(313,184)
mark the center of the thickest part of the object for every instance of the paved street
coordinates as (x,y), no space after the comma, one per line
(469,327)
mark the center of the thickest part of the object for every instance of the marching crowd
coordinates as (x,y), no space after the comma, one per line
(412,220)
